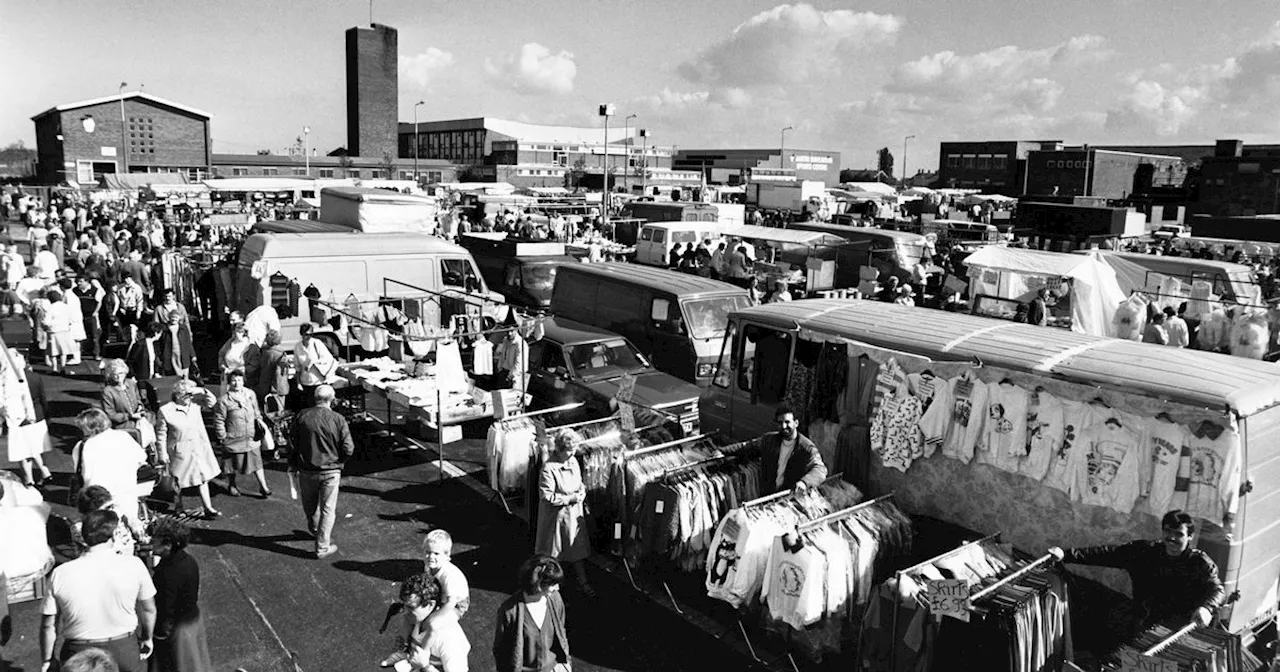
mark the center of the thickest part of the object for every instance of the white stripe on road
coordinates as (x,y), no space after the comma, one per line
(239,584)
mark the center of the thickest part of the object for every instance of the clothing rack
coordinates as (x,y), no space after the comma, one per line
(661,446)
(554,409)
(444,337)
(1012,577)
(787,493)
(694,465)
(1168,641)
(836,515)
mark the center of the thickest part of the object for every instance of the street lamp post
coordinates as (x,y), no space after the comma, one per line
(644,162)
(904,158)
(626,164)
(782,147)
(306,151)
(124,147)
(606,111)
(416,105)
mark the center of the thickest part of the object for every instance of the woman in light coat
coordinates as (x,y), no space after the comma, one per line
(57,321)
(562,526)
(184,444)
(236,419)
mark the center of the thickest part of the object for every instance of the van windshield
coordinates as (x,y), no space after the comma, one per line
(707,318)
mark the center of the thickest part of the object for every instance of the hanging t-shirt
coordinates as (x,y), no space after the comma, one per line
(1113,456)
(1165,441)
(935,422)
(968,400)
(482,357)
(793,583)
(1213,482)
(1068,459)
(895,431)
(1044,434)
(1003,443)
(925,386)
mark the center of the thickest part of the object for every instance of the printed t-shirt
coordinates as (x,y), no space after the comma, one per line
(1044,434)
(1112,455)
(1004,439)
(1165,441)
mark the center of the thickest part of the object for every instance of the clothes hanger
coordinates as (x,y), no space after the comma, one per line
(1099,401)
(1116,422)
(1162,415)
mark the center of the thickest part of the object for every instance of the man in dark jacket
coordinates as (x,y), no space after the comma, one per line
(1171,581)
(789,460)
(321,445)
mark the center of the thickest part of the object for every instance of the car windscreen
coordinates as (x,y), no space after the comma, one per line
(604,359)
(707,317)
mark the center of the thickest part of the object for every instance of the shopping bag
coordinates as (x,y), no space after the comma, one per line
(26,441)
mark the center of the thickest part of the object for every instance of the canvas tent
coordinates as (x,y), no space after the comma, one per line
(1017,273)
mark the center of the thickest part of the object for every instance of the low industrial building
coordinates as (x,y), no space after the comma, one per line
(738,166)
(534,155)
(1100,173)
(1239,181)
(338,167)
(993,167)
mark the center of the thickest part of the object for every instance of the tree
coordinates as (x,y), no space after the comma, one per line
(344,162)
(884,160)
(388,166)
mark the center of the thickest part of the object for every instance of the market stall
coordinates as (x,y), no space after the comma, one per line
(804,260)
(1087,292)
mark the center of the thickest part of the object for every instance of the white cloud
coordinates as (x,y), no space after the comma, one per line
(789,43)
(952,74)
(535,70)
(423,68)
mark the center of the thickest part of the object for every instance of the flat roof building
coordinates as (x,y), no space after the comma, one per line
(735,166)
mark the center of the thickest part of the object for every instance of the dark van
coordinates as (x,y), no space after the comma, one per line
(677,320)
(523,271)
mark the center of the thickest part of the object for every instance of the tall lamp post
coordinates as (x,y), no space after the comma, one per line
(416,105)
(782,147)
(644,162)
(626,164)
(904,158)
(606,111)
(124,147)
(306,151)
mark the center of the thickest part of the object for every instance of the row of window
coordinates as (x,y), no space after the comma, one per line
(1066,164)
(978,161)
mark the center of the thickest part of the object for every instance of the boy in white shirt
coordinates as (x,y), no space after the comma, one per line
(455,592)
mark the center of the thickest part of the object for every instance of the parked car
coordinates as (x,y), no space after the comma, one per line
(576,362)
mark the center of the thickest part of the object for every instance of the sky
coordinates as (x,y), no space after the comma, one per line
(847,76)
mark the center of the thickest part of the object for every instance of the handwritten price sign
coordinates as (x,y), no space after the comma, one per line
(1132,660)
(948,597)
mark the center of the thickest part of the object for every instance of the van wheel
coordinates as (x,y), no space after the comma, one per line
(332,344)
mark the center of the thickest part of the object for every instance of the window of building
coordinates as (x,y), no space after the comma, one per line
(1000,162)
(377,173)
(953,160)
(326,172)
(406,174)
(270,171)
(968,161)
(434,176)
(353,172)
(239,171)
(984,162)
(299,171)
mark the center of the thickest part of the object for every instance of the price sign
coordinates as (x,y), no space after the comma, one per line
(1132,660)
(948,597)
(626,415)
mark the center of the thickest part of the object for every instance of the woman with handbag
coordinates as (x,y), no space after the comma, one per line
(240,429)
(184,443)
(122,402)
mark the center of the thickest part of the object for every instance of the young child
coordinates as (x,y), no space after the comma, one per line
(432,639)
(455,595)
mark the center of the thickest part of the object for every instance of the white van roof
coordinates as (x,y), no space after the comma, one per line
(353,244)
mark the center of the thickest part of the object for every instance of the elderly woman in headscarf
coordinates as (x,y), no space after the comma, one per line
(184,443)
(562,525)
(123,403)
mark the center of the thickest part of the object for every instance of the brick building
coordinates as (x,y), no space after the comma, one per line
(994,167)
(133,132)
(1238,181)
(534,155)
(373,91)
(1100,173)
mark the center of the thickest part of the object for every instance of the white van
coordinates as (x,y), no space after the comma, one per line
(656,239)
(364,265)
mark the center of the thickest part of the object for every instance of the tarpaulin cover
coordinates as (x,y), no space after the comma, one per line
(377,210)
(1095,292)
(139,180)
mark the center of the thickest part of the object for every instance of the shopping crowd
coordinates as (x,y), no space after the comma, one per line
(130,600)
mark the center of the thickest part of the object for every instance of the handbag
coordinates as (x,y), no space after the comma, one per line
(77,478)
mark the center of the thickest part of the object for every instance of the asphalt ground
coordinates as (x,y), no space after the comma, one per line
(269,605)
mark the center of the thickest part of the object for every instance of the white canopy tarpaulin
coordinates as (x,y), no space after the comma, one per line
(1095,292)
